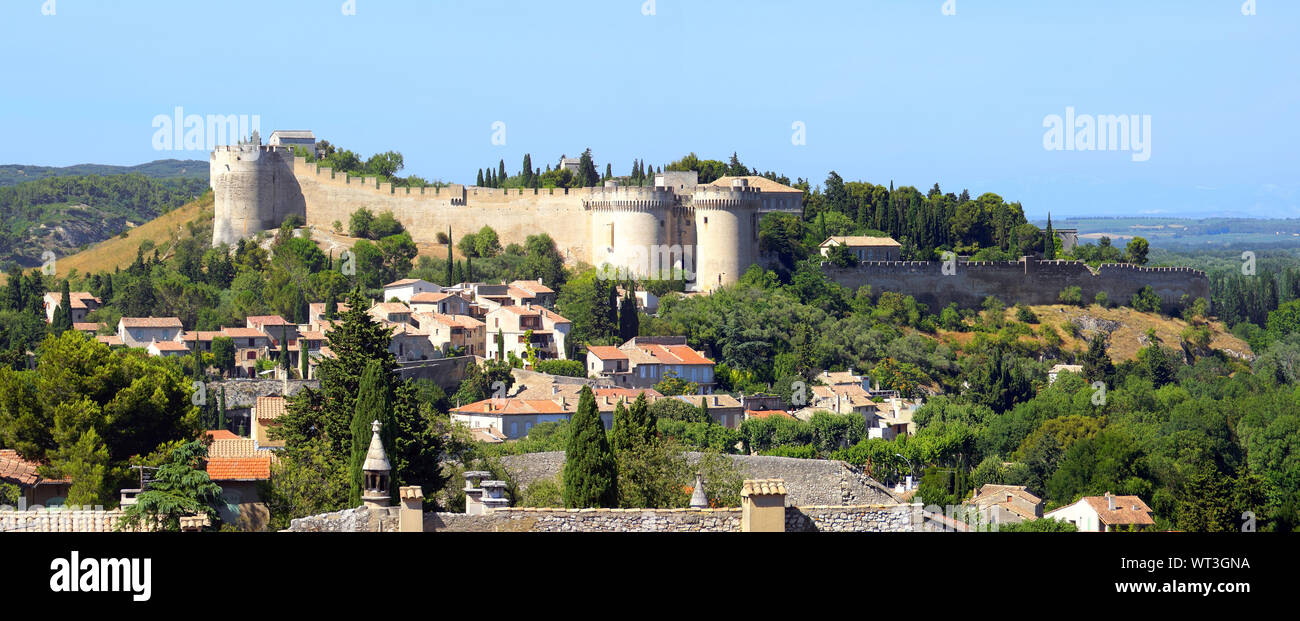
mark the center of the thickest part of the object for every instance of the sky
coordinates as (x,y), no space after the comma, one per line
(958,92)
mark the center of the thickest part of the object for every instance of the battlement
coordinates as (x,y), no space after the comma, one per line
(629,198)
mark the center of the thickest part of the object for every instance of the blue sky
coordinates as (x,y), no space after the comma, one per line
(886,90)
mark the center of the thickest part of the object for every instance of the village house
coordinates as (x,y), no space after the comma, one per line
(453,331)
(391,313)
(864,248)
(223,443)
(1063,368)
(250,344)
(140,331)
(167,348)
(645,361)
(410,343)
(89,328)
(407,288)
(199,339)
(535,292)
(275,327)
(512,323)
(1105,513)
(1004,504)
(514,417)
(82,303)
(265,412)
(316,311)
(646,302)
(241,480)
(32,487)
(442,303)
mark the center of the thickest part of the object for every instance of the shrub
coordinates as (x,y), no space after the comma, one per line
(1102,299)
(359,224)
(570,368)
(543,493)
(1071,295)
(442,237)
(1146,300)
(1024,315)
(802,451)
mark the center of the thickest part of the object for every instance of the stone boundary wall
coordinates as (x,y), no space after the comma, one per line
(1024,281)
(244,393)
(588,521)
(809,481)
(59,521)
(359,520)
(447,373)
(897,518)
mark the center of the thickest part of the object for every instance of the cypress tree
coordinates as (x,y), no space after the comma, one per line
(374,401)
(704,410)
(611,308)
(302,361)
(628,321)
(501,345)
(469,269)
(609,171)
(590,472)
(528,169)
(450,275)
(63,316)
(284,350)
(221,410)
(625,434)
(479,181)
(501,174)
(1049,244)
(331,305)
(643,420)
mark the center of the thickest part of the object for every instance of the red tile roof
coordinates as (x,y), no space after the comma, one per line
(674,354)
(1128,510)
(268,320)
(239,468)
(268,408)
(766,413)
(221,434)
(244,333)
(518,406)
(429,297)
(15,469)
(533,286)
(607,352)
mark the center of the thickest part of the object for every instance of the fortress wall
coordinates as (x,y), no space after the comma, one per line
(255,190)
(427,211)
(1035,282)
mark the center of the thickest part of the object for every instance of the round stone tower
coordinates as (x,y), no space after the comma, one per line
(253,189)
(629,227)
(726,232)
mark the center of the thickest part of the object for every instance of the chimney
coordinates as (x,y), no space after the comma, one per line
(410,517)
(762,506)
(555,389)
(717,400)
(698,499)
(1110,501)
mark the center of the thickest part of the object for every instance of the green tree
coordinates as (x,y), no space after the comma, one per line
(86,464)
(63,315)
(181,487)
(1097,366)
(1049,241)
(628,320)
(374,401)
(1137,251)
(359,223)
(223,354)
(590,471)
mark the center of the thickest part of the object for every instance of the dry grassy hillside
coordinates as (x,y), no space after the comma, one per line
(1126,326)
(118,251)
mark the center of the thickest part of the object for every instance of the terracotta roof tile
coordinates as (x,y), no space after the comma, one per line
(239,468)
(607,352)
(268,408)
(151,322)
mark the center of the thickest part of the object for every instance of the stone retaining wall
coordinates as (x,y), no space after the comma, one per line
(358,520)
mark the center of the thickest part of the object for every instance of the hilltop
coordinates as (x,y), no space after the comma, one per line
(13,174)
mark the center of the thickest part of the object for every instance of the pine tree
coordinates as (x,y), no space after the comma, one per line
(590,472)
(374,400)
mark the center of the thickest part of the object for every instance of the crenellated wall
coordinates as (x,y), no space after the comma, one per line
(1026,281)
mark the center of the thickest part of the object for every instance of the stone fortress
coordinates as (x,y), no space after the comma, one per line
(710,230)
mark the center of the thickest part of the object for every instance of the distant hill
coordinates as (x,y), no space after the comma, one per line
(162,232)
(63,214)
(1187,234)
(13,174)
